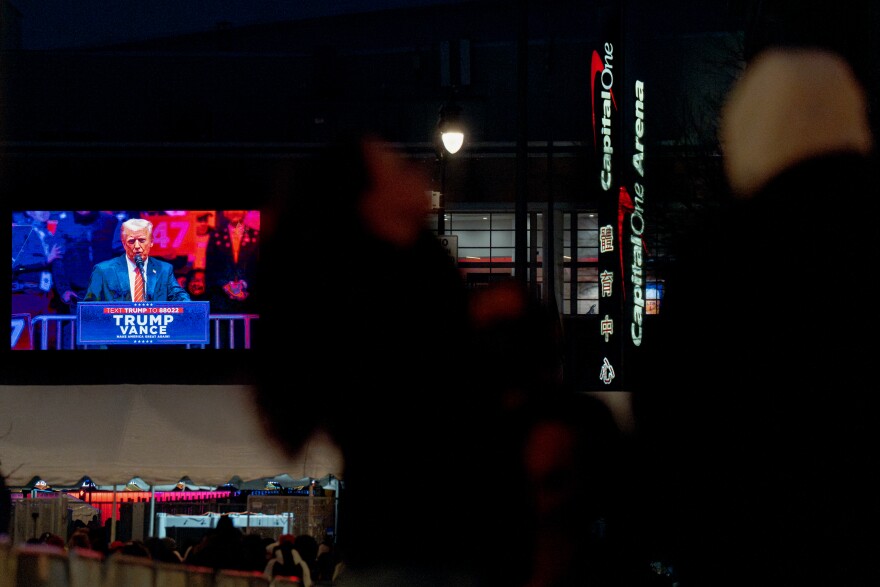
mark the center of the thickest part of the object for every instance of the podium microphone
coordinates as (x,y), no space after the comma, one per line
(139,261)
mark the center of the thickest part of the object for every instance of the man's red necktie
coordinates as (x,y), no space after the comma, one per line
(139,292)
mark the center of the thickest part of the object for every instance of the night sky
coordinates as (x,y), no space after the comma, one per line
(58,24)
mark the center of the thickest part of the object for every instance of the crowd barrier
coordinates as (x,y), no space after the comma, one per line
(41,565)
(235,335)
(245,520)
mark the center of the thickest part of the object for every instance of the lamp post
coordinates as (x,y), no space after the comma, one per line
(451,134)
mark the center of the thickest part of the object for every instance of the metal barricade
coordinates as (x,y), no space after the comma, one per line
(235,329)
(231,321)
(42,324)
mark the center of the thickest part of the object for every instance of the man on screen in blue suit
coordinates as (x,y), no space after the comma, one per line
(113,280)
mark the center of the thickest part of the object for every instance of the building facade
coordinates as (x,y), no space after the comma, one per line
(209,119)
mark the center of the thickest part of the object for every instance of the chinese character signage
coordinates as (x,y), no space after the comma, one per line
(606,61)
(619,94)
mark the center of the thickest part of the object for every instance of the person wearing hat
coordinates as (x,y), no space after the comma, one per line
(773,432)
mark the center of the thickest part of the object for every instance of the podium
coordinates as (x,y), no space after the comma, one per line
(134,323)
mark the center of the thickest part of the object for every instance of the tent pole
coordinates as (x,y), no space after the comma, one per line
(152,508)
(336,509)
(114,515)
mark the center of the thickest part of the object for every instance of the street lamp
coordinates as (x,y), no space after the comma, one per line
(450,127)
(451,134)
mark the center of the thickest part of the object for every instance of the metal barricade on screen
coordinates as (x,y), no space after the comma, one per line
(234,328)
(228,331)
(41,326)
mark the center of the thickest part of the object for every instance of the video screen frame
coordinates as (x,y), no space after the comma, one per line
(182,238)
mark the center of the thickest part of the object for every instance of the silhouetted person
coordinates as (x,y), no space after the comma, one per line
(286,560)
(255,555)
(307,547)
(163,549)
(220,548)
(325,562)
(579,527)
(767,438)
(377,369)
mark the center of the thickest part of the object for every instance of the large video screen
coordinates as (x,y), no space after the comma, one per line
(76,277)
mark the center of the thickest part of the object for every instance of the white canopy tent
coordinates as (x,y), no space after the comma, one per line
(158,433)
